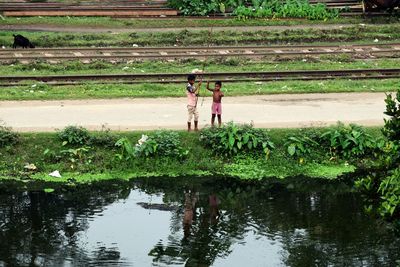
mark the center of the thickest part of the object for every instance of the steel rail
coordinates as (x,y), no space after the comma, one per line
(225,76)
(194,52)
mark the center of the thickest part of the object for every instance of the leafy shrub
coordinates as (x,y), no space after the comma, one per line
(105,138)
(300,145)
(348,141)
(158,144)
(8,137)
(195,7)
(391,130)
(77,156)
(382,186)
(232,139)
(286,9)
(74,135)
(390,194)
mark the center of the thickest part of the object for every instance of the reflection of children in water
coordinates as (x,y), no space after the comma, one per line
(191,199)
(213,201)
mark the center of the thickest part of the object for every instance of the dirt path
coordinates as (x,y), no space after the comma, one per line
(139,114)
(60,28)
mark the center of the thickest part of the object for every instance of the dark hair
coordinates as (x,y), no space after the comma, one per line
(191,77)
(218,83)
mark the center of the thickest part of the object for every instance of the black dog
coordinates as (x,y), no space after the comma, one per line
(20,40)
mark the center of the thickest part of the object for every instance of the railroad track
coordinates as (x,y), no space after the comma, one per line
(161,78)
(55,55)
(138,8)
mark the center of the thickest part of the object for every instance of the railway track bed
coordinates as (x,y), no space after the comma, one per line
(162,78)
(56,55)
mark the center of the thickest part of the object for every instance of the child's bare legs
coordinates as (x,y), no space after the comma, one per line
(189,126)
(212,120)
(219,120)
(196,124)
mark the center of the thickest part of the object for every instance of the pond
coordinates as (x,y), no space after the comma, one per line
(193,222)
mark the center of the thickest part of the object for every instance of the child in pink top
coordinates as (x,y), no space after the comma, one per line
(216,108)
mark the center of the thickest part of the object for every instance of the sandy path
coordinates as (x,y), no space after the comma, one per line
(139,114)
(57,28)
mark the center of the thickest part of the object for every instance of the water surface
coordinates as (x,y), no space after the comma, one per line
(208,222)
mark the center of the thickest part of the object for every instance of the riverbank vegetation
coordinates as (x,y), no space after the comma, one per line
(239,151)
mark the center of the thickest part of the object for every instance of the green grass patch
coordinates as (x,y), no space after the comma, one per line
(215,64)
(93,91)
(178,22)
(386,32)
(35,91)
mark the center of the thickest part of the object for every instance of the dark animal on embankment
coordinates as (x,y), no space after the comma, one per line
(22,41)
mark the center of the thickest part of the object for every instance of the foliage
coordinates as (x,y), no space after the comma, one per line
(105,138)
(197,7)
(300,146)
(232,139)
(290,9)
(157,144)
(392,125)
(382,187)
(74,135)
(245,9)
(348,141)
(77,156)
(8,137)
(390,194)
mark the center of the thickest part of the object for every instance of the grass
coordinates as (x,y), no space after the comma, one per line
(100,162)
(35,90)
(92,91)
(135,23)
(357,33)
(187,65)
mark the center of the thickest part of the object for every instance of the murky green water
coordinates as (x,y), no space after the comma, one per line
(212,222)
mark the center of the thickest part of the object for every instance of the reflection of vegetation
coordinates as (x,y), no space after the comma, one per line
(305,220)
(34,224)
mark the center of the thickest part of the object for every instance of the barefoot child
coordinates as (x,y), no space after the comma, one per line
(192,94)
(216,108)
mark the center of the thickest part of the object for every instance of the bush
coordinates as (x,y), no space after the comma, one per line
(74,135)
(348,141)
(286,9)
(232,139)
(391,130)
(382,186)
(158,144)
(301,145)
(8,137)
(104,138)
